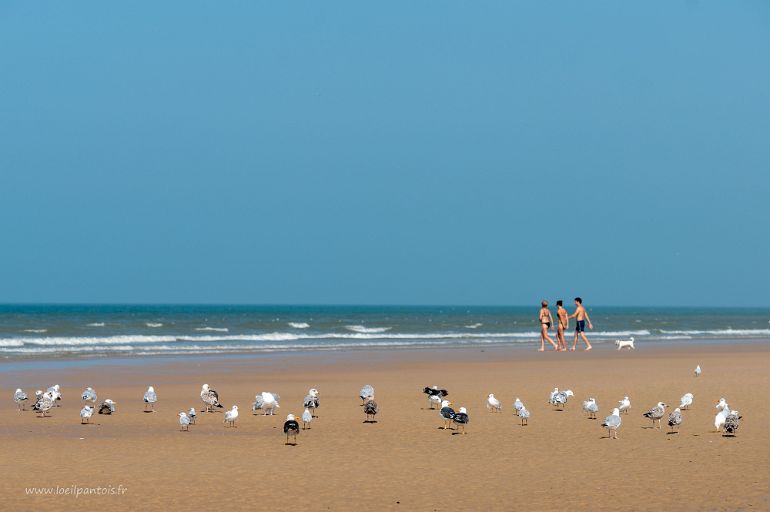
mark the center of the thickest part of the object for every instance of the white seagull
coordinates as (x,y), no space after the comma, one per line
(231,416)
(89,395)
(311,401)
(675,419)
(86,413)
(365,393)
(624,405)
(524,415)
(493,404)
(612,423)
(518,405)
(45,402)
(697,371)
(150,397)
(20,397)
(722,404)
(184,421)
(307,417)
(656,413)
(686,401)
(192,415)
(267,402)
(721,418)
(590,407)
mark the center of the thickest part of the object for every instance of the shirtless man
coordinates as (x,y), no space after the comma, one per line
(561,325)
(581,317)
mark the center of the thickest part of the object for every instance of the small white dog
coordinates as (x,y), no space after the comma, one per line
(629,344)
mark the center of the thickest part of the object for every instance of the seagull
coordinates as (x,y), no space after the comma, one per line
(552,395)
(612,423)
(311,401)
(434,391)
(732,422)
(20,397)
(518,405)
(45,403)
(231,416)
(370,409)
(307,417)
(89,395)
(686,401)
(590,407)
(365,393)
(722,404)
(55,392)
(191,415)
(656,413)
(624,405)
(150,397)
(721,418)
(446,412)
(291,428)
(107,407)
(524,415)
(697,371)
(561,397)
(184,421)
(461,418)
(267,402)
(210,398)
(493,404)
(675,419)
(86,413)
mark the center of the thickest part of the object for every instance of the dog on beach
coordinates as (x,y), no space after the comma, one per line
(629,344)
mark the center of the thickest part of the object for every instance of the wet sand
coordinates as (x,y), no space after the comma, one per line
(560,461)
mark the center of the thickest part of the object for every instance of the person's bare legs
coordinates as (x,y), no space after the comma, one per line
(574,343)
(588,345)
(544,336)
(560,339)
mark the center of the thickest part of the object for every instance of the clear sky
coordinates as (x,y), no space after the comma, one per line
(430,152)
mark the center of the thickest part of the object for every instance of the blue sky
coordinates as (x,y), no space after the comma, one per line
(399,153)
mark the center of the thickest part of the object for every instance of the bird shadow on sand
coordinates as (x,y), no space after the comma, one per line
(458,433)
(370,421)
(649,428)
(442,428)
(290,444)
(671,433)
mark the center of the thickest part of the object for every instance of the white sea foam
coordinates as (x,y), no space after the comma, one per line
(367,330)
(299,325)
(215,329)
(153,324)
(473,326)
(723,332)
(38,331)
(95,324)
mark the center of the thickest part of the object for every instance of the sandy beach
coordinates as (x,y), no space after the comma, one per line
(560,461)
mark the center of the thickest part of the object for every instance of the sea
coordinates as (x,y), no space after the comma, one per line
(79,331)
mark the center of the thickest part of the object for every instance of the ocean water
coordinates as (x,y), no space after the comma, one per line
(50,331)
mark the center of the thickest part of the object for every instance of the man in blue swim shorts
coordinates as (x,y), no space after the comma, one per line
(581,317)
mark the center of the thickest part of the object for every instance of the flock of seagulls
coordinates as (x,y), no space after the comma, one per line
(727,420)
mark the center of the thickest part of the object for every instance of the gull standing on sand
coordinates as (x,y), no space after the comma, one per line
(20,397)
(721,418)
(44,403)
(461,419)
(624,405)
(493,404)
(697,371)
(89,395)
(590,407)
(552,395)
(524,415)
(656,413)
(150,397)
(55,392)
(231,416)
(311,401)
(370,409)
(192,415)
(722,404)
(435,395)
(107,407)
(675,419)
(561,397)
(210,398)
(307,417)
(612,423)
(365,393)
(291,429)
(85,413)
(446,412)
(518,405)
(184,421)
(686,401)
(266,401)
(732,422)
